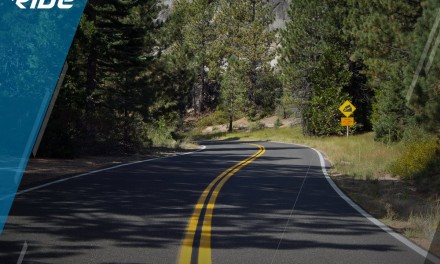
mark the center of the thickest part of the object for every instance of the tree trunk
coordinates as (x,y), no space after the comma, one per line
(199,91)
(202,88)
(231,117)
(89,108)
(253,79)
(253,73)
(126,122)
(91,64)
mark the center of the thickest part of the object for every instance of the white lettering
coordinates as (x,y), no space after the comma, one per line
(34,4)
(20,3)
(41,4)
(62,5)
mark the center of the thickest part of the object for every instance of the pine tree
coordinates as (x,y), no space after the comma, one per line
(67,129)
(243,31)
(234,88)
(196,36)
(107,87)
(379,31)
(425,101)
(124,66)
(315,65)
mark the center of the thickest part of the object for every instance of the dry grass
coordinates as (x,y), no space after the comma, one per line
(396,203)
(359,155)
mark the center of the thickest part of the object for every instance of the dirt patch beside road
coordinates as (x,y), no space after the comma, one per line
(397,204)
(244,124)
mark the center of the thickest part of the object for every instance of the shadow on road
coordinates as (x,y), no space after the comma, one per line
(147,206)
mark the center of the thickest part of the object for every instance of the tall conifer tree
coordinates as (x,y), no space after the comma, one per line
(315,65)
(243,31)
(379,31)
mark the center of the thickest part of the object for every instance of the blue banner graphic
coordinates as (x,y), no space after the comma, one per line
(35,37)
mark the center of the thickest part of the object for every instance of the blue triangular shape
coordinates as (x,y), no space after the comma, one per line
(33,47)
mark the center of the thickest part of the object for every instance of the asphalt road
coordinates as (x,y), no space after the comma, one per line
(273,205)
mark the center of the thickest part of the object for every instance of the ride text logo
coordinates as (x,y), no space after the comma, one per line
(44,4)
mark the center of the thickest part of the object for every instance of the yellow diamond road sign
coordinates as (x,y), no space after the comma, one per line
(347,108)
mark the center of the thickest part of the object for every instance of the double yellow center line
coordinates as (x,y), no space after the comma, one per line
(204,235)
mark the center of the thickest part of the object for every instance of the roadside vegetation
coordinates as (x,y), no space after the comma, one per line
(140,69)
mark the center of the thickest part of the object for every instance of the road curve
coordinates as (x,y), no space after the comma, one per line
(277,208)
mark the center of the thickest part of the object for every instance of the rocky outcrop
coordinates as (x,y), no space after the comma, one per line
(280,9)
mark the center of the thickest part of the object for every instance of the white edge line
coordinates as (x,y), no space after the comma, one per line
(375,221)
(101,170)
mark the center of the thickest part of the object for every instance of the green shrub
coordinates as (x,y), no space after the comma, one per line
(277,123)
(218,117)
(322,117)
(414,134)
(428,181)
(162,134)
(417,159)
(256,126)
(390,115)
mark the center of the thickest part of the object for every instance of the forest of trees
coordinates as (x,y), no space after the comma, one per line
(134,74)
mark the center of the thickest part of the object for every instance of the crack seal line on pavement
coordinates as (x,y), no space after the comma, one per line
(291,212)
